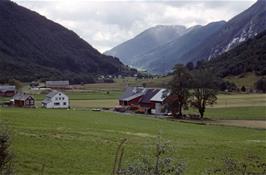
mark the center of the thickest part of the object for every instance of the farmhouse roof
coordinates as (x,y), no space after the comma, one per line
(21,96)
(161,95)
(57,83)
(52,94)
(149,93)
(131,93)
(4,88)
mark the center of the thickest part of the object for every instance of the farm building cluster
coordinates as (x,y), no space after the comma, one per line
(54,99)
(145,100)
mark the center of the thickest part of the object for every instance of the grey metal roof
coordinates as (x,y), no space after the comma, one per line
(21,96)
(57,83)
(161,95)
(131,93)
(149,93)
(46,101)
(4,88)
(52,94)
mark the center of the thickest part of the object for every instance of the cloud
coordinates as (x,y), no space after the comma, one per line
(105,24)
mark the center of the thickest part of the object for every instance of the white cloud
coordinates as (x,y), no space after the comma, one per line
(105,23)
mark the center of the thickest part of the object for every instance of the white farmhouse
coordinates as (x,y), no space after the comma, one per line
(56,99)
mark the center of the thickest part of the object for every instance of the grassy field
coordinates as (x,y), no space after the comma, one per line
(84,142)
(86,95)
(234,113)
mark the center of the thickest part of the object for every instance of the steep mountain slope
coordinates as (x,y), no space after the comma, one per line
(249,56)
(162,59)
(33,47)
(205,42)
(240,28)
(146,41)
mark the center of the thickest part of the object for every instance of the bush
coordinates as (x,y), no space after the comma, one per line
(5,155)
(261,85)
(158,164)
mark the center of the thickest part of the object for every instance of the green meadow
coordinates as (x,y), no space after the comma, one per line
(84,142)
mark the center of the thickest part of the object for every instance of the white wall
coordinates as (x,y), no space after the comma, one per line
(60,100)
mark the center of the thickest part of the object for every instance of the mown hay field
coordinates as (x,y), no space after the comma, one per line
(85,142)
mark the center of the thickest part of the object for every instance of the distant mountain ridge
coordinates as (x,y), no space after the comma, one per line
(203,42)
(146,41)
(33,47)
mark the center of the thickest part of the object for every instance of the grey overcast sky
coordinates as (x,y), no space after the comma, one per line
(105,24)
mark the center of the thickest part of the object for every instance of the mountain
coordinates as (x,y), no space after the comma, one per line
(161,59)
(146,41)
(249,56)
(33,47)
(204,42)
(240,28)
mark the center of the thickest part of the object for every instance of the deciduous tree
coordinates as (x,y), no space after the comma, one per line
(204,87)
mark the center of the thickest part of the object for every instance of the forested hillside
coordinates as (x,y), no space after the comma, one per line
(33,47)
(250,56)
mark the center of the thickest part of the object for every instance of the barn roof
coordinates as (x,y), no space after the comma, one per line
(4,88)
(161,95)
(131,93)
(21,96)
(149,93)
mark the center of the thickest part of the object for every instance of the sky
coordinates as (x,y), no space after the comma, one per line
(107,23)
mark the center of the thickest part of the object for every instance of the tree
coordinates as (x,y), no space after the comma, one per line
(16,83)
(204,87)
(243,89)
(261,85)
(190,66)
(179,87)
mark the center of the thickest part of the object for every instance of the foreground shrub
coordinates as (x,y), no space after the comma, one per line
(5,155)
(157,164)
(255,166)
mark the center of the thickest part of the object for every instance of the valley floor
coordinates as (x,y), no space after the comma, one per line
(84,142)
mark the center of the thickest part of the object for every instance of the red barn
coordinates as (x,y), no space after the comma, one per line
(145,102)
(7,90)
(131,96)
(23,100)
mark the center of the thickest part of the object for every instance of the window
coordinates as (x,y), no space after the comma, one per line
(60,94)
(56,104)
(64,103)
(59,98)
(56,98)
(63,98)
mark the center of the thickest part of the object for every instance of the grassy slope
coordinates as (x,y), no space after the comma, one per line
(247,80)
(84,142)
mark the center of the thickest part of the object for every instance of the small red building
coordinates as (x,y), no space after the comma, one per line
(7,90)
(23,100)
